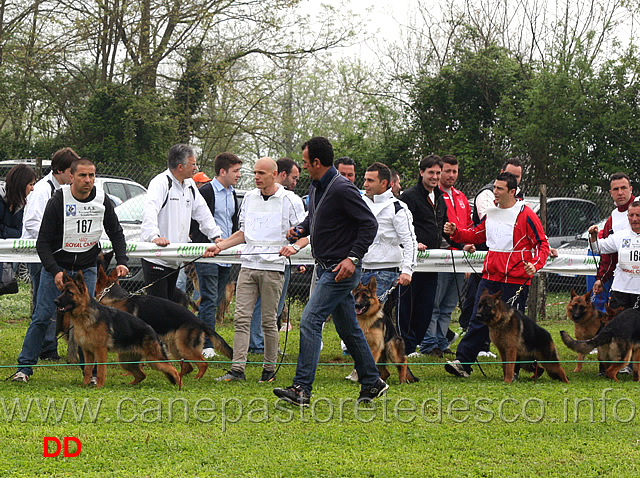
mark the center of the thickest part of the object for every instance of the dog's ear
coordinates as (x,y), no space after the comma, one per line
(373,285)
(497,295)
(65,277)
(484,293)
(102,275)
(79,280)
(573,293)
(587,296)
(113,277)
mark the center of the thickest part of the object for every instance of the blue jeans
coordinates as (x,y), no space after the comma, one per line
(44,310)
(50,344)
(332,298)
(256,337)
(415,308)
(449,286)
(478,333)
(213,279)
(384,280)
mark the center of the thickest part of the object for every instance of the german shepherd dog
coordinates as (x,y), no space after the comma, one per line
(382,336)
(518,338)
(587,320)
(617,342)
(98,329)
(177,327)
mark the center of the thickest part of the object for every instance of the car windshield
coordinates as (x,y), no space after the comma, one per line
(131,210)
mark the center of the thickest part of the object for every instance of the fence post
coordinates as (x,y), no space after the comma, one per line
(537,291)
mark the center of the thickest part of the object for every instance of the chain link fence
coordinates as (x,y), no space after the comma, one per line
(570,211)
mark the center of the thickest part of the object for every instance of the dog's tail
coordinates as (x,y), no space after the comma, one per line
(604,337)
(219,344)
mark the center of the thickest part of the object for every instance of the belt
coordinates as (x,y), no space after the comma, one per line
(383,269)
(328,263)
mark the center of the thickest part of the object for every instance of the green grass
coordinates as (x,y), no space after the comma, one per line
(441,426)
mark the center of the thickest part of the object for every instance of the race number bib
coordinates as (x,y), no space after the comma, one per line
(629,255)
(500,224)
(82,221)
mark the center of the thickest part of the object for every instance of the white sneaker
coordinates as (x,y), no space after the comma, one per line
(593,352)
(353,376)
(343,346)
(208,353)
(20,377)
(486,354)
(415,355)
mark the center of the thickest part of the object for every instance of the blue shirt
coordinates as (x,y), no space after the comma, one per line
(225,207)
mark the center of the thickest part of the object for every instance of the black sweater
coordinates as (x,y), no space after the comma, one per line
(49,243)
(428,218)
(341,225)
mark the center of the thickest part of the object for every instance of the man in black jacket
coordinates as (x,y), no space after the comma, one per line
(342,227)
(68,240)
(429,210)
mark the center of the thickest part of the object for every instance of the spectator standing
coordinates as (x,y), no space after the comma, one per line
(450,284)
(222,201)
(267,213)
(59,175)
(346,167)
(18,185)
(172,201)
(426,203)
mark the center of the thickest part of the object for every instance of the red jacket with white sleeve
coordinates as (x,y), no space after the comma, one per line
(514,236)
(458,212)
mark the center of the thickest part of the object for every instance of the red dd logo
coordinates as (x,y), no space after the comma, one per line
(58,446)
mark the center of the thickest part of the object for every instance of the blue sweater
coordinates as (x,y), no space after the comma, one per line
(10,222)
(339,222)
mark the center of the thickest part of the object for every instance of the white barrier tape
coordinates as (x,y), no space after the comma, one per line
(433,260)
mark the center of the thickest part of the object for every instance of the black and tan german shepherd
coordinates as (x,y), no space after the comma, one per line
(587,320)
(617,342)
(518,338)
(98,329)
(177,327)
(382,336)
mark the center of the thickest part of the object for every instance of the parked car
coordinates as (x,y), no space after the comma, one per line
(566,217)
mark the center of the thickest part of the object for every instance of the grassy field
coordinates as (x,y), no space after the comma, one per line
(441,426)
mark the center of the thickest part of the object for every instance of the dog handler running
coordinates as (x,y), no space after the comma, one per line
(518,247)
(69,240)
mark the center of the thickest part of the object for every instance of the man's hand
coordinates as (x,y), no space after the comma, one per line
(470,248)
(288,251)
(529,268)
(294,233)
(161,241)
(59,280)
(422,247)
(449,228)
(597,287)
(593,233)
(553,252)
(345,270)
(212,251)
(122,270)
(404,279)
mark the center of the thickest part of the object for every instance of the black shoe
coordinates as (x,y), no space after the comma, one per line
(436,352)
(294,394)
(368,394)
(267,376)
(232,376)
(53,356)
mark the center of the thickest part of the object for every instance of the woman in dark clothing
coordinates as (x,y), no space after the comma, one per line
(13,196)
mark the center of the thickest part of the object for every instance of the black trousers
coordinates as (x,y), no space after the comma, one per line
(166,277)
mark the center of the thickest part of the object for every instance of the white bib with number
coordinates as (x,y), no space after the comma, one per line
(263,222)
(629,253)
(500,224)
(82,221)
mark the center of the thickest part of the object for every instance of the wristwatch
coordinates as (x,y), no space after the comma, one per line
(296,247)
(355,260)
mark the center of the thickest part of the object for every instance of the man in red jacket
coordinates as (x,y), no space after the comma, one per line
(518,247)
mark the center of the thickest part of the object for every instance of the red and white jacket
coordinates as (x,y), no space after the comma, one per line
(458,212)
(514,235)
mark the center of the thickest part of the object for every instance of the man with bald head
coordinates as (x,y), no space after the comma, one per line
(266,214)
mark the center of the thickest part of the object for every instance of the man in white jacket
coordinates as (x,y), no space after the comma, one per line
(172,201)
(625,290)
(392,256)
